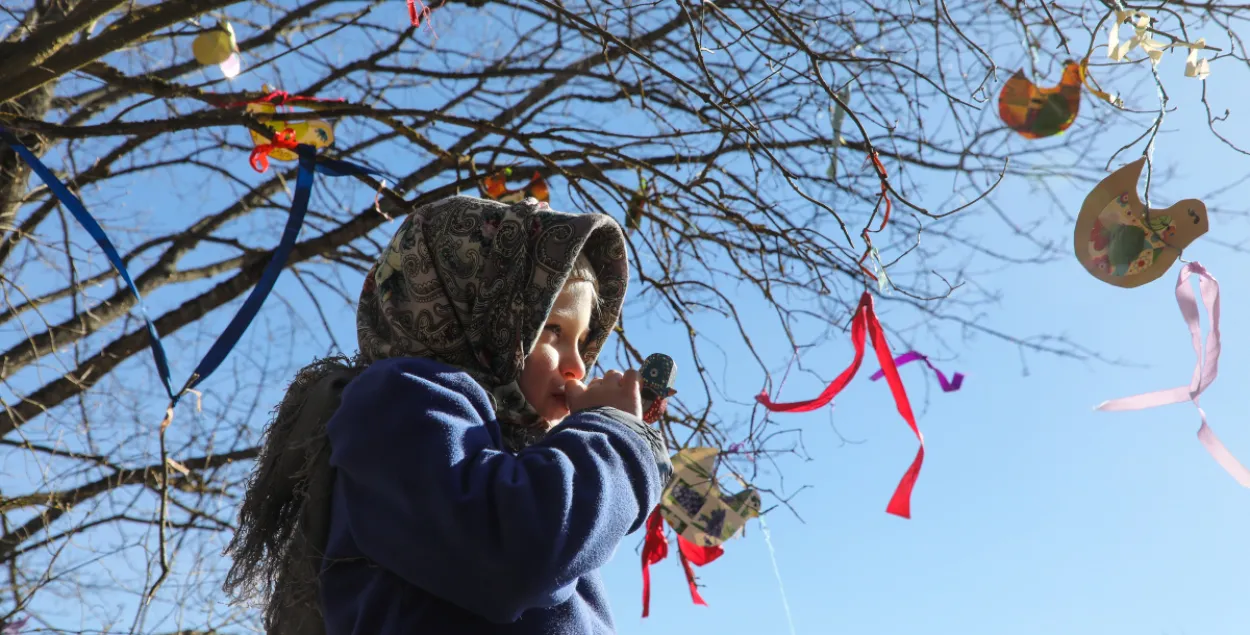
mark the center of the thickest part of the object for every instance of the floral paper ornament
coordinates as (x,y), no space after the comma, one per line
(1121,242)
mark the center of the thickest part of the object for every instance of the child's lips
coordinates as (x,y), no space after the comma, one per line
(558,398)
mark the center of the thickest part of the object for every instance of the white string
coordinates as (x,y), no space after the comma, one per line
(772,553)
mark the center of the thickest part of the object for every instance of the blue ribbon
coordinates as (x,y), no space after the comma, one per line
(309,164)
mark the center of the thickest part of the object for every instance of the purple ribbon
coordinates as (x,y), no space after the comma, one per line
(948,385)
(13,628)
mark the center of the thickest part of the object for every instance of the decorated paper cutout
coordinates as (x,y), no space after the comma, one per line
(314,132)
(1195,66)
(658,372)
(864,324)
(694,506)
(1041,112)
(837,115)
(218,47)
(1119,242)
(1118,51)
(495,187)
(1204,372)
(702,517)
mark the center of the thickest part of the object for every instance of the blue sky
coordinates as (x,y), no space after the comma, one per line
(1033,513)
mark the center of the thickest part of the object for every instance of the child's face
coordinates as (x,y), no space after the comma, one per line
(557,357)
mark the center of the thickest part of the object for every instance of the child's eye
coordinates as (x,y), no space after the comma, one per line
(554,328)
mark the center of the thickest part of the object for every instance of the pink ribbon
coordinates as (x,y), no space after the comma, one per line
(948,385)
(1204,373)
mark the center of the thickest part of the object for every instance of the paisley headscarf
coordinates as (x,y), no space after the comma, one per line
(470,282)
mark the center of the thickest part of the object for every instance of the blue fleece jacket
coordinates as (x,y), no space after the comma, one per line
(435,529)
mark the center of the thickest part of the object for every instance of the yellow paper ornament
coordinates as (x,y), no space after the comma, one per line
(314,132)
(215,45)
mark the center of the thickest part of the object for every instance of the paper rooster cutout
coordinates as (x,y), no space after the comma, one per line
(495,187)
(1041,112)
(702,517)
(1122,243)
(313,132)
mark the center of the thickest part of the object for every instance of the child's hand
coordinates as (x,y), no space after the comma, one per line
(619,391)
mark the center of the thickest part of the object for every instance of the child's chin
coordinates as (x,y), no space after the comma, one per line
(554,418)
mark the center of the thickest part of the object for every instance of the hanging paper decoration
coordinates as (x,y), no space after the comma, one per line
(1041,112)
(702,517)
(837,115)
(1118,50)
(864,324)
(637,204)
(948,385)
(287,135)
(694,506)
(1122,243)
(1204,373)
(495,187)
(218,47)
(658,373)
(1195,66)
(314,132)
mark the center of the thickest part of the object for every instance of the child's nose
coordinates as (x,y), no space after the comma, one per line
(571,367)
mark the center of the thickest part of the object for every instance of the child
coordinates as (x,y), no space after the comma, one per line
(467,480)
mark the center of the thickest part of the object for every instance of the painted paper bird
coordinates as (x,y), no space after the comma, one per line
(1124,239)
(1041,112)
(1122,242)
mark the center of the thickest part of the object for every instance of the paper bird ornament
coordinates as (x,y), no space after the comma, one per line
(1036,112)
(1121,242)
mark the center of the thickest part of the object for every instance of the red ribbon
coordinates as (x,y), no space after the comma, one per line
(866,320)
(280,98)
(260,154)
(655,549)
(415,15)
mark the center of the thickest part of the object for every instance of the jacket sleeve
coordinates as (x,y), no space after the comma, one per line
(430,495)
